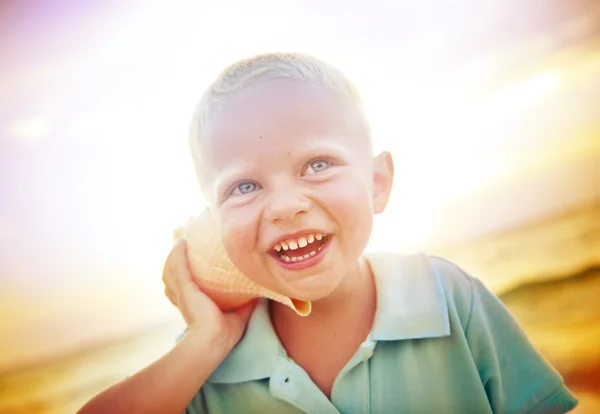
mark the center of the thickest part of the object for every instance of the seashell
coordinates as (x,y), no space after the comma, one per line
(216,275)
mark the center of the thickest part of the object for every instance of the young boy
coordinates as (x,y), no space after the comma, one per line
(283,152)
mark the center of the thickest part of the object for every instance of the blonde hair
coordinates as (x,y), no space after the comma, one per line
(263,69)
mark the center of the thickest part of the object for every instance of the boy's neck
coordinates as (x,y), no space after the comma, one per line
(323,342)
(354,297)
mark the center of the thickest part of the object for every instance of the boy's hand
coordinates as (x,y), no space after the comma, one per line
(199,311)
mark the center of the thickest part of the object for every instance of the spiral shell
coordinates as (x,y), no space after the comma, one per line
(216,275)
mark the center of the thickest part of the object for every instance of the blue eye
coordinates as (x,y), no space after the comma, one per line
(245,188)
(319,165)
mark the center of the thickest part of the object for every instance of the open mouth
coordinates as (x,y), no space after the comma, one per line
(300,249)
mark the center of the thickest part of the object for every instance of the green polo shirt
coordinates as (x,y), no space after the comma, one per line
(440,343)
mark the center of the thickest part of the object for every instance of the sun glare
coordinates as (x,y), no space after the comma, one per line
(434,144)
(104,146)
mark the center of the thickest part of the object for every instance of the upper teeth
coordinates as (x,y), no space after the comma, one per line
(293,244)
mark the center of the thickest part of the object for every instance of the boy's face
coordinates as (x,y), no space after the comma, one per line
(284,167)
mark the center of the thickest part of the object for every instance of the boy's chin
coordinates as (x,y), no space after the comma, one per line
(313,293)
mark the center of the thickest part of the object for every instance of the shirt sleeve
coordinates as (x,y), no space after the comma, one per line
(517,379)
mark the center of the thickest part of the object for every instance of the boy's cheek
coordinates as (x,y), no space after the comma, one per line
(237,234)
(348,199)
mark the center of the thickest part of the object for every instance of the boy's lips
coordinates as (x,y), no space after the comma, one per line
(302,257)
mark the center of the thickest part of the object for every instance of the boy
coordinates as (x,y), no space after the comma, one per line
(283,151)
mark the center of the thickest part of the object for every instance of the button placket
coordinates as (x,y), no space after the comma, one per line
(290,383)
(353,381)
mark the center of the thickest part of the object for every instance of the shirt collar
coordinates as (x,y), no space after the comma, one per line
(256,355)
(411,304)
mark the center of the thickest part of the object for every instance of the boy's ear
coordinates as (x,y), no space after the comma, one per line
(383,178)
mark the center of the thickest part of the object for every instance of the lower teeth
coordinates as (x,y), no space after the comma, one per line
(300,258)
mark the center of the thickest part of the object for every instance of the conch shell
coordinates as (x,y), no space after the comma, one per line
(216,275)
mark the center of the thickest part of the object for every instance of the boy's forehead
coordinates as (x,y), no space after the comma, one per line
(278,105)
(275,117)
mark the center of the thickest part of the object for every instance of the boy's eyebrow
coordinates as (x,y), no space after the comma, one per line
(326,146)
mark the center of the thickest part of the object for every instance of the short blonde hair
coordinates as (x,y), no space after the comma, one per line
(262,70)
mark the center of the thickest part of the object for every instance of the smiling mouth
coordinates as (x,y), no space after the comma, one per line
(302,249)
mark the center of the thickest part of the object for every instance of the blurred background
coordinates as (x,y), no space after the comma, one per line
(491,110)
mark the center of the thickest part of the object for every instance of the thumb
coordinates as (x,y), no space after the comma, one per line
(238,319)
(244,312)
(186,286)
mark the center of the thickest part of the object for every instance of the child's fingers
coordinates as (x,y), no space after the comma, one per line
(177,277)
(244,312)
(175,271)
(238,320)
(171,296)
(171,263)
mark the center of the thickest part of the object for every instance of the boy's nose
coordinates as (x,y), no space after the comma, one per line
(285,206)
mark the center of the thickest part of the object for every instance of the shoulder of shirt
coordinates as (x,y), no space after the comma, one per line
(418,296)
(458,287)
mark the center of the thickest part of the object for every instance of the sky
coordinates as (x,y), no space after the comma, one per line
(97,96)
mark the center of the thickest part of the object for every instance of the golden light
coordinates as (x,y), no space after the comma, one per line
(128,94)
